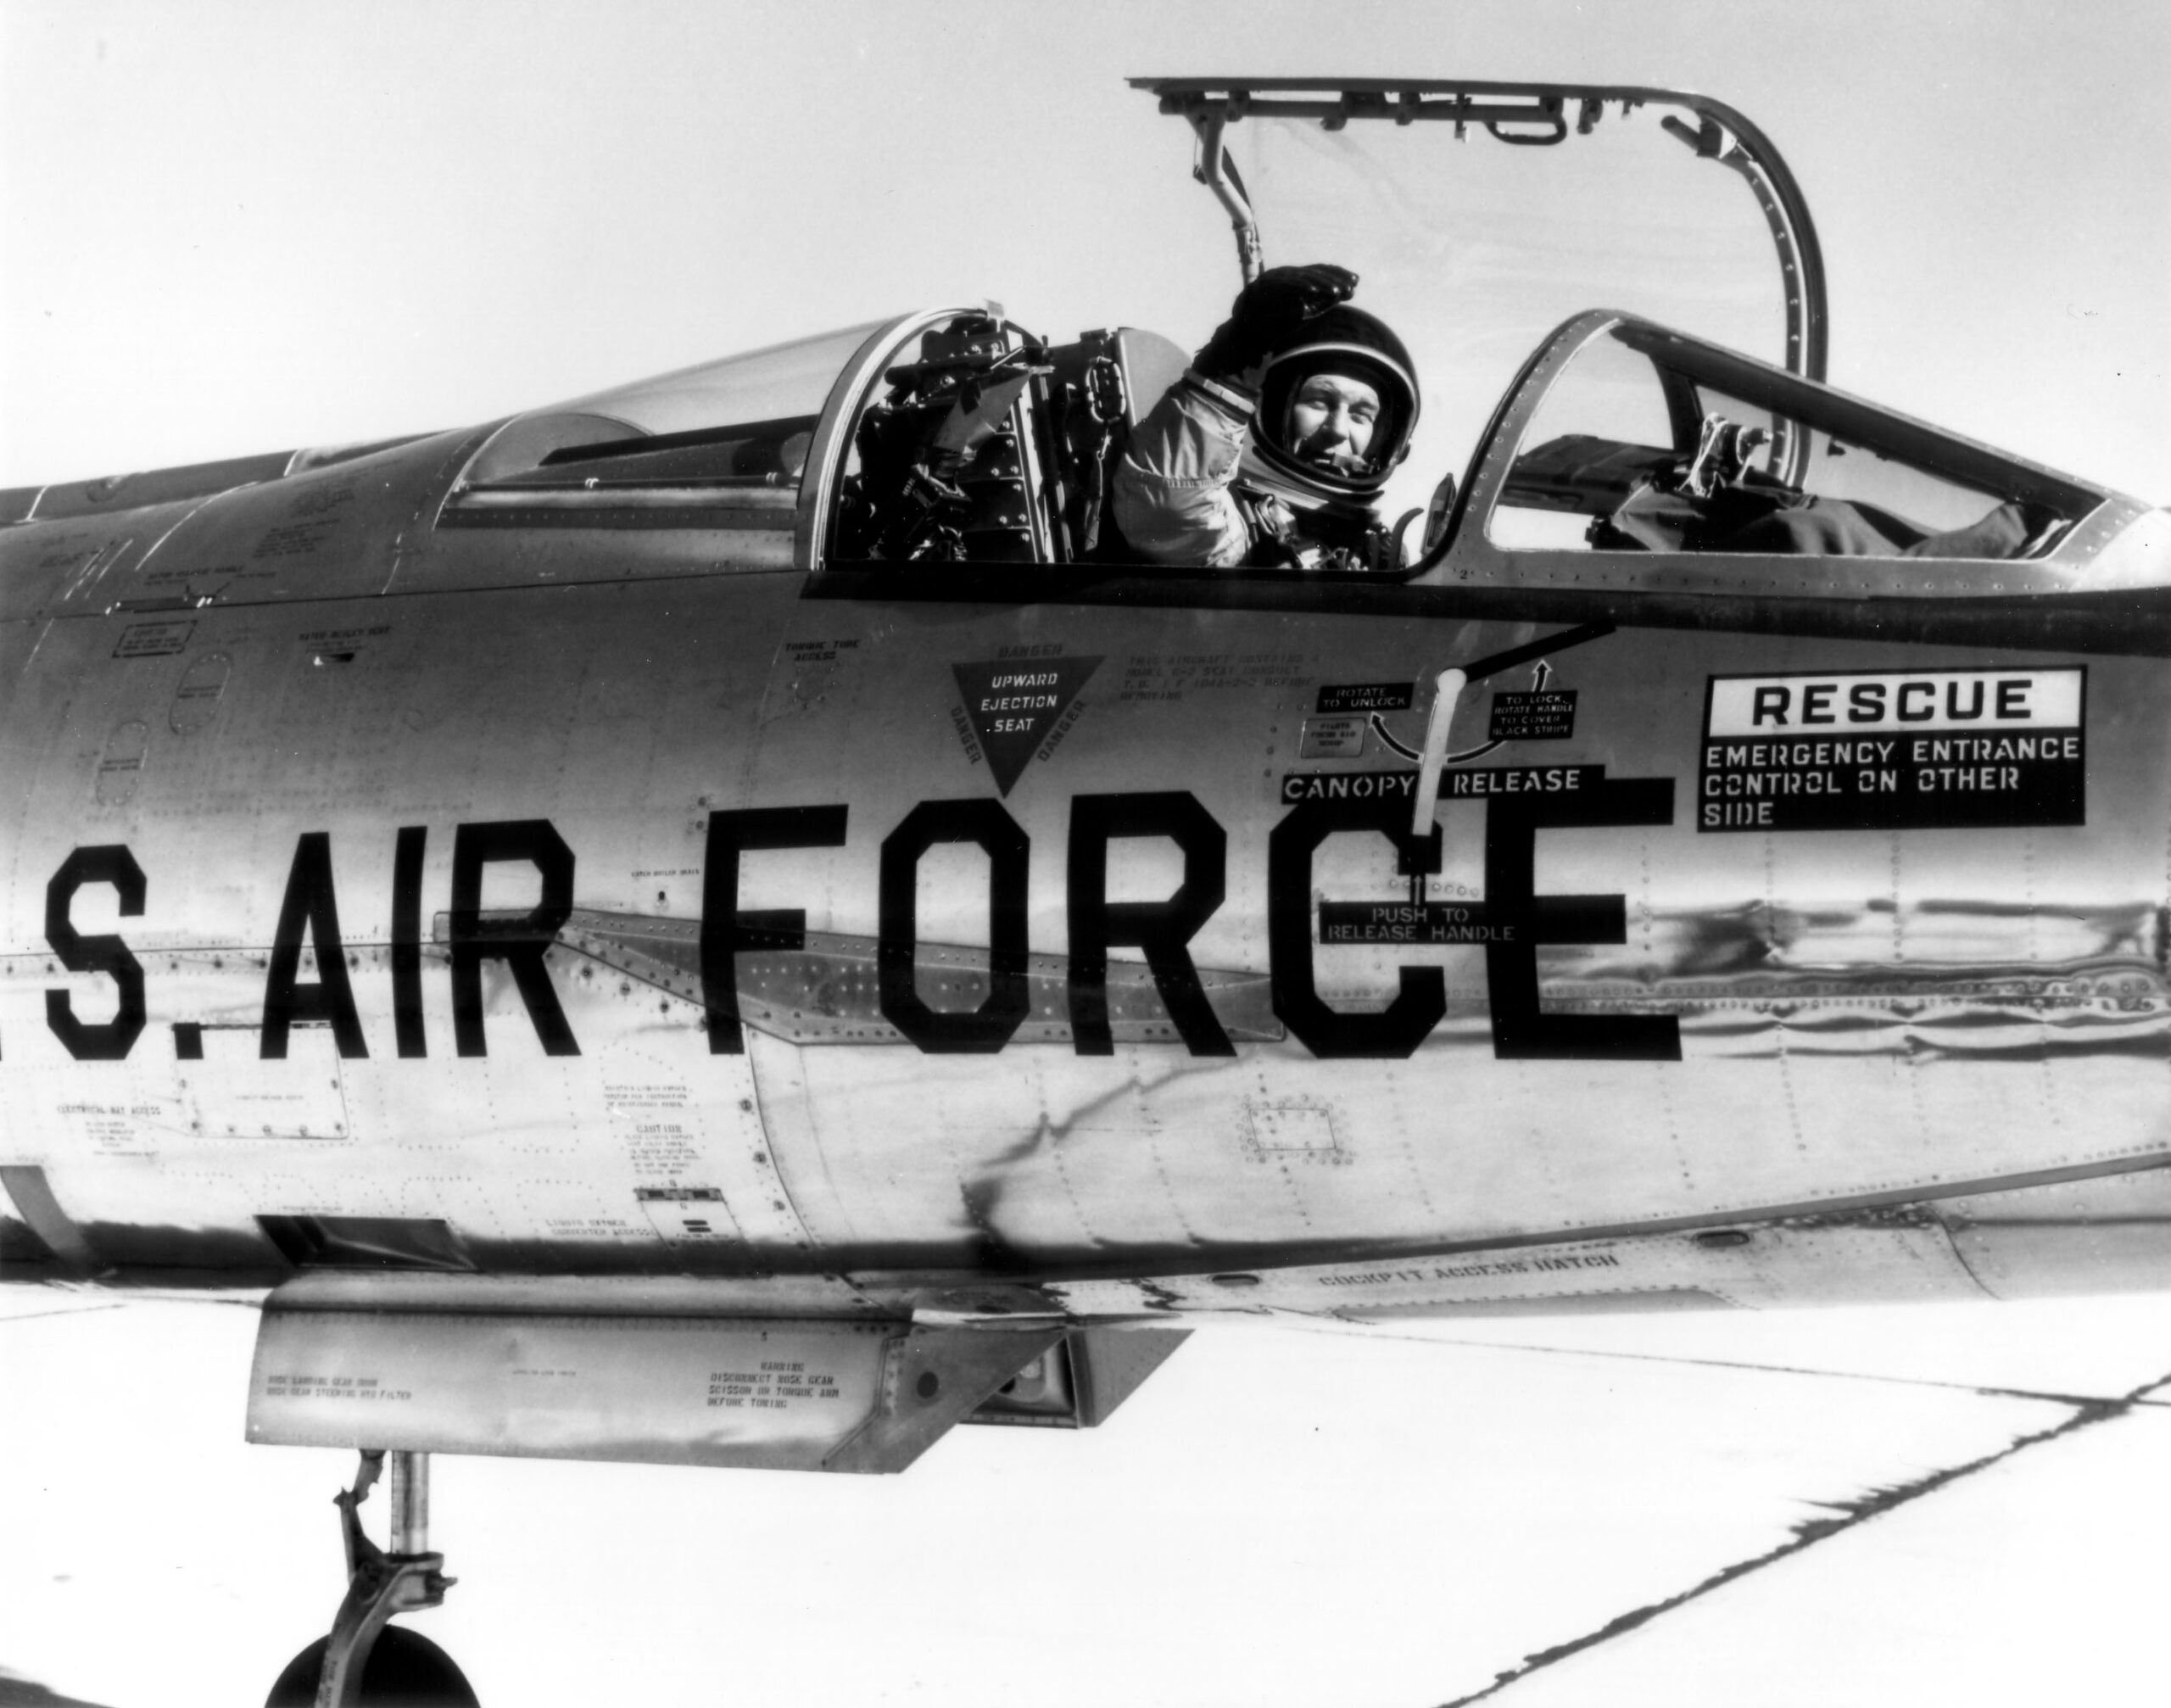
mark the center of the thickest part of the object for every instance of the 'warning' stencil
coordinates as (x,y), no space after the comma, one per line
(1020,707)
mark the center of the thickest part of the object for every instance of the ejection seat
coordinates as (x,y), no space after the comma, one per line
(988,446)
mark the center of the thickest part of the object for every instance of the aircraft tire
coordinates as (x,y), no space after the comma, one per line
(404,1670)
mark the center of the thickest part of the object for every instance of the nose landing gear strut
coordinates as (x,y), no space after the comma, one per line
(366,1663)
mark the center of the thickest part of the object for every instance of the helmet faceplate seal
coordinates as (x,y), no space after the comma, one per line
(1349,342)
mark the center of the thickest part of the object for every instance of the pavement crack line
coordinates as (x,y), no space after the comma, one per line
(1847,1514)
(1978,1388)
(64,1310)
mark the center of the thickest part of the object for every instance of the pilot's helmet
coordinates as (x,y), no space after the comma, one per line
(1348,342)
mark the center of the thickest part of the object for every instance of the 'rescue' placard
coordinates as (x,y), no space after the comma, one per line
(1893,751)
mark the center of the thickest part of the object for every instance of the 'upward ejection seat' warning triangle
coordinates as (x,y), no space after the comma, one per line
(1018,708)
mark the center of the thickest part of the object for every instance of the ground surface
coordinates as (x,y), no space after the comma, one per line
(1856,1507)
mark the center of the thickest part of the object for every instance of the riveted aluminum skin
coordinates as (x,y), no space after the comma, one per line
(603,899)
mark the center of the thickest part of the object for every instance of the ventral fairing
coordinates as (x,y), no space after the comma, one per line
(741,921)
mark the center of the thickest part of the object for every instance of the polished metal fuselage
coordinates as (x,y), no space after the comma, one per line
(1908,1063)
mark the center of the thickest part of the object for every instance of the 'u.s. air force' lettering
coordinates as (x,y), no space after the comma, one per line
(1510,925)
(1517,922)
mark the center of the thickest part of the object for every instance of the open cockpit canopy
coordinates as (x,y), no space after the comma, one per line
(1615,301)
(1631,445)
(1480,216)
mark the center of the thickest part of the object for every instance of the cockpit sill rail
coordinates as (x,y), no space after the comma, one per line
(2129,622)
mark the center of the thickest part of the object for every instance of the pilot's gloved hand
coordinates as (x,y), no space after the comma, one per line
(1267,314)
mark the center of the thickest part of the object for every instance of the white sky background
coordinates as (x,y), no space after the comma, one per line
(232,228)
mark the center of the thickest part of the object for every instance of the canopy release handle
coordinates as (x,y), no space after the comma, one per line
(1421,859)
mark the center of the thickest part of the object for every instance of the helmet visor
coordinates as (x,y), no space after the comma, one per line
(1367,439)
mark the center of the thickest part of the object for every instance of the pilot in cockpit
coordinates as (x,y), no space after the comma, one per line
(1272,449)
